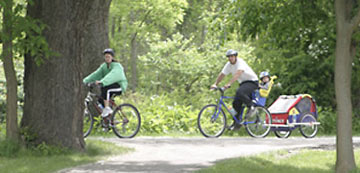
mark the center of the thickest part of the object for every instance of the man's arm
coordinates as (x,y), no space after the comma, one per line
(218,80)
(234,78)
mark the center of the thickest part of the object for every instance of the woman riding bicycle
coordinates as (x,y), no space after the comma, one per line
(247,79)
(110,75)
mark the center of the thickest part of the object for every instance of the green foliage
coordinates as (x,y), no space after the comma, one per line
(177,64)
(134,22)
(27,35)
(48,150)
(9,148)
(181,46)
(294,40)
(161,114)
(27,135)
(327,118)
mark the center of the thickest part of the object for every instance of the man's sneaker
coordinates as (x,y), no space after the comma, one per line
(235,126)
(106,111)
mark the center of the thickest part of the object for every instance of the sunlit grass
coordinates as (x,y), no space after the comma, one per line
(30,161)
(294,161)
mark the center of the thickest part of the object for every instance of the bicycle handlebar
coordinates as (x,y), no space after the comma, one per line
(222,90)
(92,85)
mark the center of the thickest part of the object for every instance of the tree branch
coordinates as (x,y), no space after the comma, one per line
(141,23)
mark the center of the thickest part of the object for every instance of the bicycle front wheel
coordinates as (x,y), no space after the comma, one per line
(126,121)
(211,122)
(88,123)
(258,123)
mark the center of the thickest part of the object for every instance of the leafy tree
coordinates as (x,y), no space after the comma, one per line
(290,38)
(15,27)
(134,24)
(303,33)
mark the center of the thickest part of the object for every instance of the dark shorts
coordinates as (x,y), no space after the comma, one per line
(108,91)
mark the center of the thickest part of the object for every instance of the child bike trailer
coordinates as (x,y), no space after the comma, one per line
(289,112)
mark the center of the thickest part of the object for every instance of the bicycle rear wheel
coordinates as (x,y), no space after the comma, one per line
(210,124)
(126,121)
(309,130)
(258,123)
(88,123)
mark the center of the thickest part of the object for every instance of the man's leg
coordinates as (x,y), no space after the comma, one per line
(238,106)
(243,95)
(244,92)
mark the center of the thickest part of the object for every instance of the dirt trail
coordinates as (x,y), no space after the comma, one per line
(167,154)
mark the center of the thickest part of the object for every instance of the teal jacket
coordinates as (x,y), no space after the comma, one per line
(108,76)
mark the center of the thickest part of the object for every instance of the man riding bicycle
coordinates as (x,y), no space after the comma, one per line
(247,79)
(111,77)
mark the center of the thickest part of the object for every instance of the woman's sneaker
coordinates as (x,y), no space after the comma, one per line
(106,111)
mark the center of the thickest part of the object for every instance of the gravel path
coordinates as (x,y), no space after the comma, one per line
(167,154)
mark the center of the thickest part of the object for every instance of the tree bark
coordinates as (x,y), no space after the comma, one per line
(96,35)
(12,131)
(133,61)
(344,29)
(77,30)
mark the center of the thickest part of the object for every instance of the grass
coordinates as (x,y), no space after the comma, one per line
(284,161)
(36,160)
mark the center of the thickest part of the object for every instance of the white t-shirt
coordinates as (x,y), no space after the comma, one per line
(240,64)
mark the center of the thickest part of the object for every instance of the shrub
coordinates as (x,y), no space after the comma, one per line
(9,148)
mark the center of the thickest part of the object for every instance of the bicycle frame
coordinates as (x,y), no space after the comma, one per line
(221,104)
(89,99)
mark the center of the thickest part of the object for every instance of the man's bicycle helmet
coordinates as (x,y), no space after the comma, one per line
(231,52)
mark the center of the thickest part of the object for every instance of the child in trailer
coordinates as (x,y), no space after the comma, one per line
(265,83)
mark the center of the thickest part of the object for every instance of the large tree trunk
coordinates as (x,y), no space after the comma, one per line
(344,29)
(10,75)
(96,35)
(53,91)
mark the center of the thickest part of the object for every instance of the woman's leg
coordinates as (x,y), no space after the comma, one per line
(106,93)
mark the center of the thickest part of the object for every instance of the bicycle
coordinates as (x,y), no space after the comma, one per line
(212,119)
(125,121)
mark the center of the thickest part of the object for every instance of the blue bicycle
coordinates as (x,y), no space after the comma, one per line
(212,119)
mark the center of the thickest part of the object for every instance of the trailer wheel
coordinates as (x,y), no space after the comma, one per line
(309,130)
(282,134)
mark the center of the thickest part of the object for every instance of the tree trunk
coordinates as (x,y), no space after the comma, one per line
(77,31)
(344,144)
(10,75)
(133,61)
(96,35)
